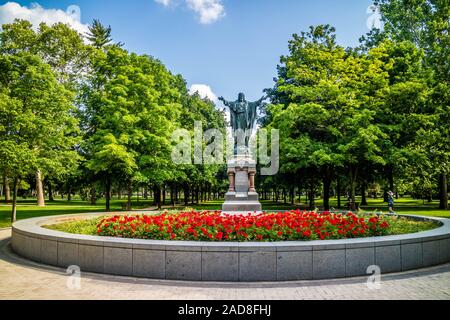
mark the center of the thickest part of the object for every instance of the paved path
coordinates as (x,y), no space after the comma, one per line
(21,279)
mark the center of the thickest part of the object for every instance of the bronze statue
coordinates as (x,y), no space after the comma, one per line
(243,117)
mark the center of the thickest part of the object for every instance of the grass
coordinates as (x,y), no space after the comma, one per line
(402,206)
(87,227)
(28,209)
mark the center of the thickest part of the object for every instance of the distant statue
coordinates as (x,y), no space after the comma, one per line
(243,118)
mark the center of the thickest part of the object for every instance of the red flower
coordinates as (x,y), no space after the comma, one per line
(219,235)
(290,225)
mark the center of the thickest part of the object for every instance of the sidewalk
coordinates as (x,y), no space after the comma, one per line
(22,279)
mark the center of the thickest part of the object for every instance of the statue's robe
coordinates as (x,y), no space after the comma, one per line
(239,116)
(251,114)
(243,115)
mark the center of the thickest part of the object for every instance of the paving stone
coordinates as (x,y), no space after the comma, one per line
(26,280)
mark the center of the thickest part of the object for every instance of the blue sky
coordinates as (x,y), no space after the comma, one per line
(233,47)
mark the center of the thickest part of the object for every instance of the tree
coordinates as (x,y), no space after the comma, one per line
(62,49)
(37,129)
(325,110)
(426,23)
(131,109)
(99,35)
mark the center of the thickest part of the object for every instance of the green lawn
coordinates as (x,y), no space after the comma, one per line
(404,206)
(28,209)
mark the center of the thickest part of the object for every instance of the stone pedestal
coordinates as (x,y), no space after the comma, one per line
(242,196)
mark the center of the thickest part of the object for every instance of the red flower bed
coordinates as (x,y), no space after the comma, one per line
(215,226)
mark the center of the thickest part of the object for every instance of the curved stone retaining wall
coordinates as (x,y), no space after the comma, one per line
(209,261)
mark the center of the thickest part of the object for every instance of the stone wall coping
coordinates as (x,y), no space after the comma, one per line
(33,227)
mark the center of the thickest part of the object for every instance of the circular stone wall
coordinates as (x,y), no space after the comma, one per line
(226,261)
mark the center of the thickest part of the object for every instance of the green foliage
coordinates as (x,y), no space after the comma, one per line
(99,35)
(37,128)
(87,227)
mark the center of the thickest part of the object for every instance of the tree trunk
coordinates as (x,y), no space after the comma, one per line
(130,195)
(146,192)
(172,196)
(137,196)
(339,193)
(14,206)
(39,189)
(6,190)
(353,176)
(391,179)
(363,193)
(443,198)
(186,196)
(311,196)
(108,194)
(50,192)
(157,196)
(326,189)
(163,196)
(430,196)
(93,195)
(69,194)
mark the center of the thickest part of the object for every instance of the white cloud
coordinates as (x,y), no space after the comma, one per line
(165,3)
(36,14)
(204,91)
(208,11)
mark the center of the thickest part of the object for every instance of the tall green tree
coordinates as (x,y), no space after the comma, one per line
(37,126)
(61,48)
(99,35)
(325,113)
(131,108)
(426,23)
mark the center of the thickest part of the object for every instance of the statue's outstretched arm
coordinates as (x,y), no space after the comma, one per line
(225,102)
(260,101)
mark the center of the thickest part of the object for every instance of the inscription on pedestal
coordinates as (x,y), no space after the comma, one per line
(241,184)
